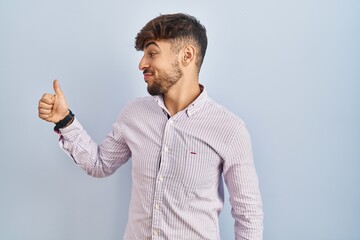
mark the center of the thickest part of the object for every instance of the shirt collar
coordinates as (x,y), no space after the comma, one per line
(192,108)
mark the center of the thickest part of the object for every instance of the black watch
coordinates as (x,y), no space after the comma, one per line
(64,122)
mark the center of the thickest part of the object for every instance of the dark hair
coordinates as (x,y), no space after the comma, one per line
(179,28)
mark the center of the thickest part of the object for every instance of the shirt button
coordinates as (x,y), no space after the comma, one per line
(155,233)
(171,122)
(157,207)
(166,149)
(161,178)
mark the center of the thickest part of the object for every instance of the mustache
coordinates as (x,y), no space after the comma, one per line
(148,71)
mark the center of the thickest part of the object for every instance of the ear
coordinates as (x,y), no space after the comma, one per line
(188,55)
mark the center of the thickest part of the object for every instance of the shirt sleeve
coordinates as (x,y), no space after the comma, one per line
(242,182)
(97,160)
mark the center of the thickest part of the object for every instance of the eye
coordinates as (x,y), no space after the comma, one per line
(152,54)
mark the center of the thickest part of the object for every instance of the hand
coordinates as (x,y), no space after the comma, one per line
(53,107)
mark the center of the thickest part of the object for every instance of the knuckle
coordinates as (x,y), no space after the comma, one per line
(41,116)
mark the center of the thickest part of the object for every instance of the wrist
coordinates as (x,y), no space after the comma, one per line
(66,121)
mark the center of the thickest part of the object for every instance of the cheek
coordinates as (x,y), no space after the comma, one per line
(157,72)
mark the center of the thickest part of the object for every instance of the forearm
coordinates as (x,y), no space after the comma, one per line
(97,161)
(249,221)
(245,199)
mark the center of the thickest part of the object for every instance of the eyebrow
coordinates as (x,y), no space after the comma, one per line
(150,43)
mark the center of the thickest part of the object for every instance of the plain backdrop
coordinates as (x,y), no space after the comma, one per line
(289,69)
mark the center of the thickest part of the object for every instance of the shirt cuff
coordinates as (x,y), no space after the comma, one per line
(71,131)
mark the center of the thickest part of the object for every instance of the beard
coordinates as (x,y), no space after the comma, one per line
(163,81)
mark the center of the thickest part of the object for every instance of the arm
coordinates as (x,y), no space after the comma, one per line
(98,161)
(242,182)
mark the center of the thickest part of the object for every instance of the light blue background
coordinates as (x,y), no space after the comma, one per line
(289,69)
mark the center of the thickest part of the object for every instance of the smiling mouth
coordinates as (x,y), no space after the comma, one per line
(147,76)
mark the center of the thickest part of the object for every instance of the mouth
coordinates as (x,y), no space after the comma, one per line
(147,75)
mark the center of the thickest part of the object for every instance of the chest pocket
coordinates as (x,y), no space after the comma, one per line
(196,169)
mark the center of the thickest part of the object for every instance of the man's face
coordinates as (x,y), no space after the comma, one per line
(160,66)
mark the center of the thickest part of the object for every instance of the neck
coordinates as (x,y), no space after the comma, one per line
(181,95)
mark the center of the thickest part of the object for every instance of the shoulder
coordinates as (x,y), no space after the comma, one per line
(223,115)
(138,102)
(224,124)
(140,108)
(141,104)
(238,141)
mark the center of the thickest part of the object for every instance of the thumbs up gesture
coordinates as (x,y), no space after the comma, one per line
(53,107)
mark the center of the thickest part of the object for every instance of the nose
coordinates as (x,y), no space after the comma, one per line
(143,64)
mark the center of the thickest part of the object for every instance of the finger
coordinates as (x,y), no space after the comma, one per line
(45,105)
(48,98)
(57,88)
(45,111)
(45,116)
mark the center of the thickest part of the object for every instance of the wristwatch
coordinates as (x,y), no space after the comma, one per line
(63,123)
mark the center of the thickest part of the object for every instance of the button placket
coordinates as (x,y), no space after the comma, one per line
(159,187)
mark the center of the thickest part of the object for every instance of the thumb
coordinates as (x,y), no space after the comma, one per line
(57,88)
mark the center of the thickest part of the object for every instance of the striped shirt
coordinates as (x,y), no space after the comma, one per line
(178,167)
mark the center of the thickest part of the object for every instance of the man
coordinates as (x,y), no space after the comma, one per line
(180,141)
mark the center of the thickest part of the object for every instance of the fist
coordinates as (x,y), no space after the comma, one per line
(53,107)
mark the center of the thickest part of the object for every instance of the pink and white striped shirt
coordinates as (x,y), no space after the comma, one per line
(177,168)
